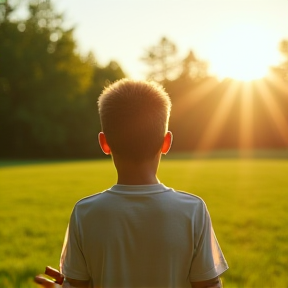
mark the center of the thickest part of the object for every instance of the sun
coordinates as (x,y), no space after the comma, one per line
(243,52)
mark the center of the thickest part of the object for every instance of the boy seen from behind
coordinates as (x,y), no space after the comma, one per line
(139,233)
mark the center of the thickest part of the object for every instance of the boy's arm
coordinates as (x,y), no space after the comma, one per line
(71,283)
(212,283)
(54,279)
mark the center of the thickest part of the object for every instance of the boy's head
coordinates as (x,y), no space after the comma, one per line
(134,117)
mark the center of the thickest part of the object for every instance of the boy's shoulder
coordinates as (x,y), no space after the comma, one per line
(107,197)
(90,198)
(189,197)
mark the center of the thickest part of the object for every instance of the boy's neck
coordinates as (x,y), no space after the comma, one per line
(131,173)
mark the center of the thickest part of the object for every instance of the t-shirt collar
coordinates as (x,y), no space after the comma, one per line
(139,189)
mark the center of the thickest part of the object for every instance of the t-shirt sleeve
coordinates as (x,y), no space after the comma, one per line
(208,260)
(72,262)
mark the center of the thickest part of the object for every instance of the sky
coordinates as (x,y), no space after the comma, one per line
(122,30)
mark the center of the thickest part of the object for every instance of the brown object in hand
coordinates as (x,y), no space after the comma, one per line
(56,276)
(59,278)
(42,280)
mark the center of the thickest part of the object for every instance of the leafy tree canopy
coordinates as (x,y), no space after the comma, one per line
(164,63)
(45,84)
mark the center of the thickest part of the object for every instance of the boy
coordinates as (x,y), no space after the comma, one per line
(139,233)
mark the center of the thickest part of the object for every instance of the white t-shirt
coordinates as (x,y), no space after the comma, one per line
(141,236)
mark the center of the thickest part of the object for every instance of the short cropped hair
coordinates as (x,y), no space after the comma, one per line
(134,117)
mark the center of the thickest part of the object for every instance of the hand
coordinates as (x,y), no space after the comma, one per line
(46,283)
(55,282)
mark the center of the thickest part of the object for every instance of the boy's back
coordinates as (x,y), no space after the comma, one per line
(139,233)
(142,236)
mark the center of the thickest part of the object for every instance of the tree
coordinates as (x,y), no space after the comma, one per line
(283,68)
(44,87)
(89,122)
(193,68)
(162,60)
(165,65)
(43,78)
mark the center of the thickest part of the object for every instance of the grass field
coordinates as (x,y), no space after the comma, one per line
(247,199)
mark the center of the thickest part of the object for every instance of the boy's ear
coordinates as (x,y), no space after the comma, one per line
(168,138)
(103,143)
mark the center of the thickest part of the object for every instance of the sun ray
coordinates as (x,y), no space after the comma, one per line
(217,120)
(193,97)
(274,110)
(277,83)
(243,51)
(246,119)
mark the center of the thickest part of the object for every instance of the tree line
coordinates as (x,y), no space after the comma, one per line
(49,90)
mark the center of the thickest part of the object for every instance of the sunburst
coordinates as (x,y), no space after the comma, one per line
(250,105)
(243,51)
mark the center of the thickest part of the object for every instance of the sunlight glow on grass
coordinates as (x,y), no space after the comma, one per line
(36,202)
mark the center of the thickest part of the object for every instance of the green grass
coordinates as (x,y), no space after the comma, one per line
(247,200)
